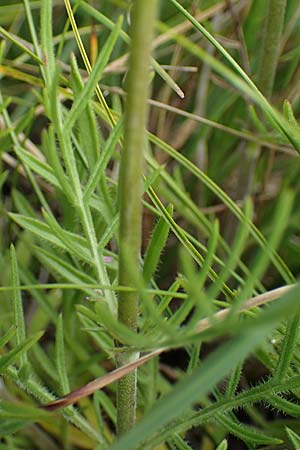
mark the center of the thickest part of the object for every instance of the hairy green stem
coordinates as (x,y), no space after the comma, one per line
(275,12)
(130,192)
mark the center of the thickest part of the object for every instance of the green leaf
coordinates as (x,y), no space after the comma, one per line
(284,405)
(44,363)
(60,357)
(294,438)
(8,336)
(39,167)
(223,445)
(56,165)
(15,416)
(98,171)
(89,88)
(155,247)
(70,241)
(3,178)
(232,206)
(103,317)
(243,82)
(18,352)
(184,239)
(63,269)
(246,433)
(107,405)
(289,115)
(17,304)
(43,231)
(10,426)
(18,43)
(194,286)
(212,370)
(88,130)
(192,212)
(47,48)
(177,443)
(22,205)
(18,410)
(233,381)
(41,298)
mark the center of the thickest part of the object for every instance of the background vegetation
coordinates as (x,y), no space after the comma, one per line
(220,224)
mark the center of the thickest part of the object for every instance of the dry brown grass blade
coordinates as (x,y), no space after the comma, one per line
(99,383)
(116,374)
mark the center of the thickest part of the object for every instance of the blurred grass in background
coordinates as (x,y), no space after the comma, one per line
(220,221)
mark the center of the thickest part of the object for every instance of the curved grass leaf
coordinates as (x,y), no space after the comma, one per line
(257,235)
(243,82)
(247,434)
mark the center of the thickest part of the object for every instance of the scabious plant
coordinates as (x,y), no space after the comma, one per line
(150,238)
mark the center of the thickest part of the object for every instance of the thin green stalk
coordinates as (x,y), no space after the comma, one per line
(130,191)
(275,12)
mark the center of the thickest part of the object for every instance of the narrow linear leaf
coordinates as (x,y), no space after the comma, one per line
(40,168)
(18,305)
(8,336)
(223,445)
(18,42)
(20,410)
(246,433)
(89,136)
(43,231)
(60,357)
(294,438)
(63,269)
(103,159)
(18,352)
(156,246)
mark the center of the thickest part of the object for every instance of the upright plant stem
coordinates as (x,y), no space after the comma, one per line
(130,192)
(275,12)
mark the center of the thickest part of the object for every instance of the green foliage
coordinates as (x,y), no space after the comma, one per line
(218,203)
(294,438)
